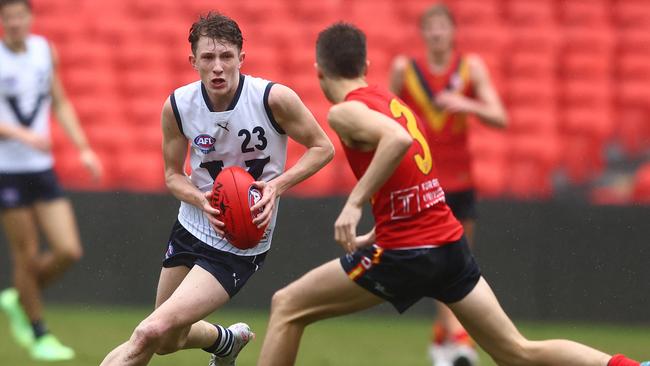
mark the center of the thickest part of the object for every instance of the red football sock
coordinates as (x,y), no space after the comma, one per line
(620,360)
(438,334)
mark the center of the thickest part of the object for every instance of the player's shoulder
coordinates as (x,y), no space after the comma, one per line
(37,39)
(187,90)
(475,62)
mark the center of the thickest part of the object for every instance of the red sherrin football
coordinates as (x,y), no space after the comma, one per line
(233,195)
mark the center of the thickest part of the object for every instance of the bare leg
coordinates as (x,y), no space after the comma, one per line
(166,329)
(57,221)
(324,292)
(20,228)
(483,317)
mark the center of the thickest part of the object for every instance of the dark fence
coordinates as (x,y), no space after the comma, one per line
(545,261)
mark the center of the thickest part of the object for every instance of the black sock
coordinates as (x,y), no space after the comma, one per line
(39,328)
(223,345)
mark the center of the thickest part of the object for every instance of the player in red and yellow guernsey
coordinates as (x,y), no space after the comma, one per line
(444,87)
(417,248)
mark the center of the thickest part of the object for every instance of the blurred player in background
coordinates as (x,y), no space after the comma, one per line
(444,87)
(417,248)
(30,197)
(230,119)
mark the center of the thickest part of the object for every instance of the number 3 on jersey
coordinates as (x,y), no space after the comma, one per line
(398,110)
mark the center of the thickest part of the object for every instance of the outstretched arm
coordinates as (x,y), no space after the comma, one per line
(67,117)
(174,148)
(366,129)
(299,124)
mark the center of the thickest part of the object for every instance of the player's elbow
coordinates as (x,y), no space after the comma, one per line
(328,151)
(402,141)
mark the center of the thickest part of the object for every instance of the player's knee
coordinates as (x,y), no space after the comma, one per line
(69,255)
(149,334)
(280,301)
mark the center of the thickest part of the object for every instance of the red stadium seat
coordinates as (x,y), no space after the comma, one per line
(641,190)
(529,64)
(530,12)
(634,40)
(582,157)
(633,66)
(579,12)
(591,121)
(535,39)
(471,13)
(586,66)
(490,176)
(492,39)
(586,93)
(533,121)
(595,41)
(633,130)
(530,92)
(633,92)
(632,13)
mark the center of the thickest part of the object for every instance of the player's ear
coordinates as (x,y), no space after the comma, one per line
(318,71)
(365,72)
(242,56)
(192,59)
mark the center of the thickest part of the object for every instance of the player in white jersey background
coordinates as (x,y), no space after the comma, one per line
(30,198)
(228,119)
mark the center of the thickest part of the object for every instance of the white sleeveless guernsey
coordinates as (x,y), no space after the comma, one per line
(245,135)
(25,96)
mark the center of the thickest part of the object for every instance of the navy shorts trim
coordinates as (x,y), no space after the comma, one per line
(25,189)
(402,277)
(231,270)
(462,204)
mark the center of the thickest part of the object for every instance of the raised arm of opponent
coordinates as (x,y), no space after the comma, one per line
(365,129)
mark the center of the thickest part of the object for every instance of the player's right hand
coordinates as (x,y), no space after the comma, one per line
(211,213)
(345,227)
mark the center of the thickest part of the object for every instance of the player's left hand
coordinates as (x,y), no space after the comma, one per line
(345,227)
(91,163)
(454,103)
(266,203)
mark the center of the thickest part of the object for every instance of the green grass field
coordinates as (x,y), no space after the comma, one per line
(357,340)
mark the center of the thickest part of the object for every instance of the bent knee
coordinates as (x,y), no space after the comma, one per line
(149,333)
(282,300)
(69,255)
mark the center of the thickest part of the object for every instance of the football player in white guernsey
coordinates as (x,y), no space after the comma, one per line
(227,119)
(30,198)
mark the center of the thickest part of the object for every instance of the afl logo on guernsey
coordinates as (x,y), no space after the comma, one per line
(254,196)
(205,143)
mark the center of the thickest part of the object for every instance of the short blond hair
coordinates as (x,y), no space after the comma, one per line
(435,10)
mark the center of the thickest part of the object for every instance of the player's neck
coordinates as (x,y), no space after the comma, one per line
(439,60)
(15,46)
(342,87)
(220,103)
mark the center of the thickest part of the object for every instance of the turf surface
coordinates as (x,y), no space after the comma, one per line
(354,340)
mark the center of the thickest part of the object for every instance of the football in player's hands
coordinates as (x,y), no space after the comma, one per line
(233,194)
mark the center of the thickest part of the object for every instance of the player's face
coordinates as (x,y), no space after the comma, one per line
(218,64)
(16,21)
(438,33)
